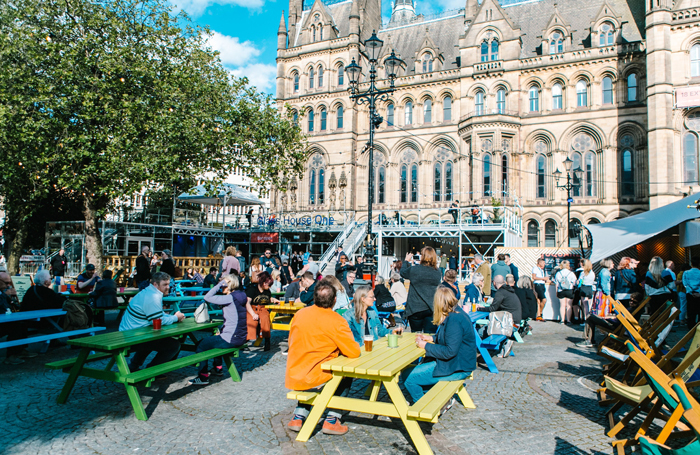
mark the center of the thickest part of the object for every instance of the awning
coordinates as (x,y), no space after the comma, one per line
(226,194)
(615,236)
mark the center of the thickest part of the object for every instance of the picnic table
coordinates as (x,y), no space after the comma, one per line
(382,367)
(38,315)
(175,300)
(281,315)
(116,345)
(483,345)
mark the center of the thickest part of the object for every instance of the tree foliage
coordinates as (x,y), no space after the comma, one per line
(104,99)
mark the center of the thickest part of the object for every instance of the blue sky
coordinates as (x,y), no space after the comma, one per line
(245,31)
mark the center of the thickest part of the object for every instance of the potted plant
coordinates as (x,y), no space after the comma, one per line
(495,203)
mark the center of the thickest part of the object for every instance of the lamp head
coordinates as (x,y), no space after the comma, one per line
(578,173)
(392,65)
(353,71)
(373,47)
(557,175)
(568,162)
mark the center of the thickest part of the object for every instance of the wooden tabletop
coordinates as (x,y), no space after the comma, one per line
(382,362)
(119,340)
(26,315)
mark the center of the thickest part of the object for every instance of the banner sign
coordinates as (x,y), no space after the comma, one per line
(22,285)
(31,258)
(688,96)
(318,220)
(265,237)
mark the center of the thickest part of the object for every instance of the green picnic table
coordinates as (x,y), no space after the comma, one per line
(116,345)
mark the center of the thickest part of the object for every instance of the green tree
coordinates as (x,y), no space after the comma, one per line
(105,99)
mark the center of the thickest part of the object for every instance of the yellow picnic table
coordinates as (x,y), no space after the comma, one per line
(281,317)
(382,366)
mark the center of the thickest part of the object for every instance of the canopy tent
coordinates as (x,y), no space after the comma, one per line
(225,194)
(615,236)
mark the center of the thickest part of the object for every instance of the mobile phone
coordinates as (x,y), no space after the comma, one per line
(416,257)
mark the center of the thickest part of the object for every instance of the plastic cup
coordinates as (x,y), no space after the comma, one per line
(392,340)
(121,289)
(369,339)
(157,324)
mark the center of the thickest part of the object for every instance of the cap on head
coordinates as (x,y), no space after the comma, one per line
(90,267)
(167,252)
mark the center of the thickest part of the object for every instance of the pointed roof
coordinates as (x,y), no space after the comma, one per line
(428,43)
(320,8)
(495,11)
(355,9)
(557,20)
(605,11)
(282,29)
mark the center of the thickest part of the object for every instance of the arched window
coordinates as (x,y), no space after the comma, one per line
(494,50)
(321,185)
(295,117)
(556,43)
(627,173)
(557,97)
(606,34)
(484,51)
(313,34)
(320,76)
(607,90)
(695,60)
(408,113)
(632,88)
(550,234)
(404,183)
(381,187)
(534,98)
(320,32)
(341,75)
(487,175)
(594,221)
(504,174)
(414,183)
(573,241)
(447,109)
(311,121)
(501,101)
(448,181)
(427,111)
(541,173)
(390,115)
(312,187)
(581,93)
(340,117)
(576,191)
(479,103)
(533,234)
(590,174)
(311,78)
(690,159)
(296,82)
(437,179)
(324,118)
(427,63)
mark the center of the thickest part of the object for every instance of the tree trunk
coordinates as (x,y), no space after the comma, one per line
(17,242)
(93,239)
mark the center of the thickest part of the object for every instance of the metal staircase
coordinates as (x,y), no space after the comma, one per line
(350,244)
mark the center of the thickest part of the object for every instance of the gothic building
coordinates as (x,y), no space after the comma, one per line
(491,100)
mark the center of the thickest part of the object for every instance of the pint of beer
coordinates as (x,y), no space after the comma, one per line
(369,339)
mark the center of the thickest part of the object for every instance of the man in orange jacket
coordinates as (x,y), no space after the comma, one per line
(318,334)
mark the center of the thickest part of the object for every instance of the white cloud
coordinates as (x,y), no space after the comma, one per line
(233,51)
(197,7)
(260,75)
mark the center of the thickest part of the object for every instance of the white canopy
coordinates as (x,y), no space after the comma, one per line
(615,236)
(226,194)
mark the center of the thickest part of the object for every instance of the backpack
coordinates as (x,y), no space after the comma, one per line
(500,323)
(78,315)
(565,283)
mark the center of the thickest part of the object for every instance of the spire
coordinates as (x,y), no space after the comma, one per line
(282,34)
(403,11)
(355,18)
(283,25)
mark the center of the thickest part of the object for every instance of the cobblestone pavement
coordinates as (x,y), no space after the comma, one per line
(542,402)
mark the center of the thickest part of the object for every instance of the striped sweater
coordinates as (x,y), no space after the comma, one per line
(146,306)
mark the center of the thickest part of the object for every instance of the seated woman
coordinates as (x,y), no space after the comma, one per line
(277,281)
(385,301)
(259,296)
(398,291)
(450,355)
(362,317)
(341,298)
(474,293)
(232,333)
(450,281)
(528,301)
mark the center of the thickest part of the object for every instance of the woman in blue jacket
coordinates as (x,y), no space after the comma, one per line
(363,318)
(625,282)
(450,355)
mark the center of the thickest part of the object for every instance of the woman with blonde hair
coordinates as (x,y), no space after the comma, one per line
(424,278)
(341,298)
(566,280)
(230,262)
(451,354)
(255,269)
(658,284)
(276,281)
(363,318)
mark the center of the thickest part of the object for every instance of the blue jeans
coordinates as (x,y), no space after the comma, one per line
(422,377)
(683,299)
(214,342)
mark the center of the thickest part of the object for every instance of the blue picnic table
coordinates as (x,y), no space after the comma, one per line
(37,315)
(481,346)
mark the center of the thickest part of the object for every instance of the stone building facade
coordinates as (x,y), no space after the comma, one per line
(491,100)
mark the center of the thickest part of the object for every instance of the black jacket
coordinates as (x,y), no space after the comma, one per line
(168,266)
(41,298)
(58,265)
(454,349)
(424,282)
(342,270)
(349,289)
(307,297)
(506,300)
(105,294)
(143,269)
(384,300)
(528,302)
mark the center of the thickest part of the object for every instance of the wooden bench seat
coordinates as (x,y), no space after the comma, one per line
(427,409)
(67,364)
(303,396)
(49,337)
(147,374)
(493,341)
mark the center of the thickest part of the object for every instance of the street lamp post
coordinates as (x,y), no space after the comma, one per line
(371,96)
(568,186)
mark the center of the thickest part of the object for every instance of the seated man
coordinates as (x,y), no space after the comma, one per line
(307,285)
(105,293)
(41,296)
(210,280)
(292,293)
(505,300)
(87,280)
(347,283)
(318,334)
(146,306)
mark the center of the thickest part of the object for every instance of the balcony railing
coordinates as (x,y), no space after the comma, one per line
(487,67)
(482,217)
(485,112)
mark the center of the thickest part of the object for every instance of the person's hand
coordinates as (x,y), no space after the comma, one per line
(180,316)
(420,342)
(426,338)
(255,316)
(409,257)
(274,300)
